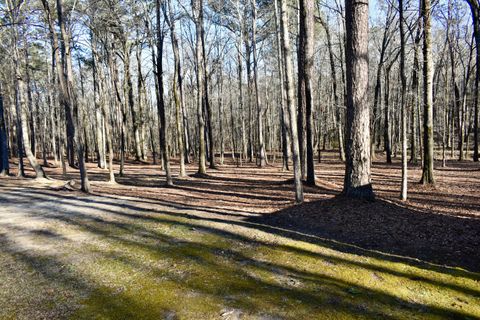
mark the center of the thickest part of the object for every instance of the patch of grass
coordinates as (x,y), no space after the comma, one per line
(168,266)
(196,272)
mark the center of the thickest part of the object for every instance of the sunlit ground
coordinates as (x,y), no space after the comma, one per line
(66,255)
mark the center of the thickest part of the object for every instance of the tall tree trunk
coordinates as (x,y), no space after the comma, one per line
(197,8)
(160,99)
(336,99)
(4,165)
(22,107)
(232,124)
(415,98)
(100,85)
(287,54)
(386,131)
(220,114)
(119,103)
(31,106)
(66,90)
(177,87)
(241,103)
(403,78)
(207,105)
(475,8)
(301,118)
(357,170)
(99,118)
(428,157)
(72,99)
(261,156)
(378,85)
(128,89)
(19,137)
(306,51)
(283,112)
(141,98)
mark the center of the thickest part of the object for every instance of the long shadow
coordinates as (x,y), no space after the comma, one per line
(156,216)
(206,256)
(235,194)
(386,227)
(380,226)
(151,181)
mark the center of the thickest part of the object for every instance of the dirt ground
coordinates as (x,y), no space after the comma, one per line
(233,245)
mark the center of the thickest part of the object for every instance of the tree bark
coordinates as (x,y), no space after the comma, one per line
(197,8)
(307,39)
(160,99)
(415,98)
(67,94)
(475,9)
(357,170)
(177,87)
(4,165)
(403,78)
(336,99)
(283,112)
(287,53)
(22,114)
(427,174)
(261,155)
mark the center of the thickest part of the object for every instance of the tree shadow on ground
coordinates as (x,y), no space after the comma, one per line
(233,275)
(400,233)
(386,227)
(381,230)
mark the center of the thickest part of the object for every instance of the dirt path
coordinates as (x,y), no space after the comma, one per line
(232,246)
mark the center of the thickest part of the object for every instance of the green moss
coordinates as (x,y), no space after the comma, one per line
(171,266)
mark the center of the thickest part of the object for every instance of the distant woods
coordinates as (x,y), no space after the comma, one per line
(239,81)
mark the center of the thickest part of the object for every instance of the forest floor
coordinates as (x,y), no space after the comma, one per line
(232,245)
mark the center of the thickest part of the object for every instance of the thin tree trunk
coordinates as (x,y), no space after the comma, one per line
(305,80)
(427,174)
(415,99)
(261,155)
(21,104)
(403,78)
(22,113)
(240,85)
(386,130)
(197,7)
(283,112)
(160,99)
(4,165)
(177,84)
(287,53)
(336,99)
(475,8)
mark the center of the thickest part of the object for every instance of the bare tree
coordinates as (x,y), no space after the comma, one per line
(287,53)
(475,9)
(336,99)
(67,92)
(403,78)
(306,53)
(160,98)
(427,175)
(197,8)
(4,165)
(177,87)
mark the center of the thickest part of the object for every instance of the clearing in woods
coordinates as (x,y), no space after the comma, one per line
(232,245)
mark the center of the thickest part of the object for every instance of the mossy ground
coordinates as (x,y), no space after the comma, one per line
(154,266)
(70,256)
